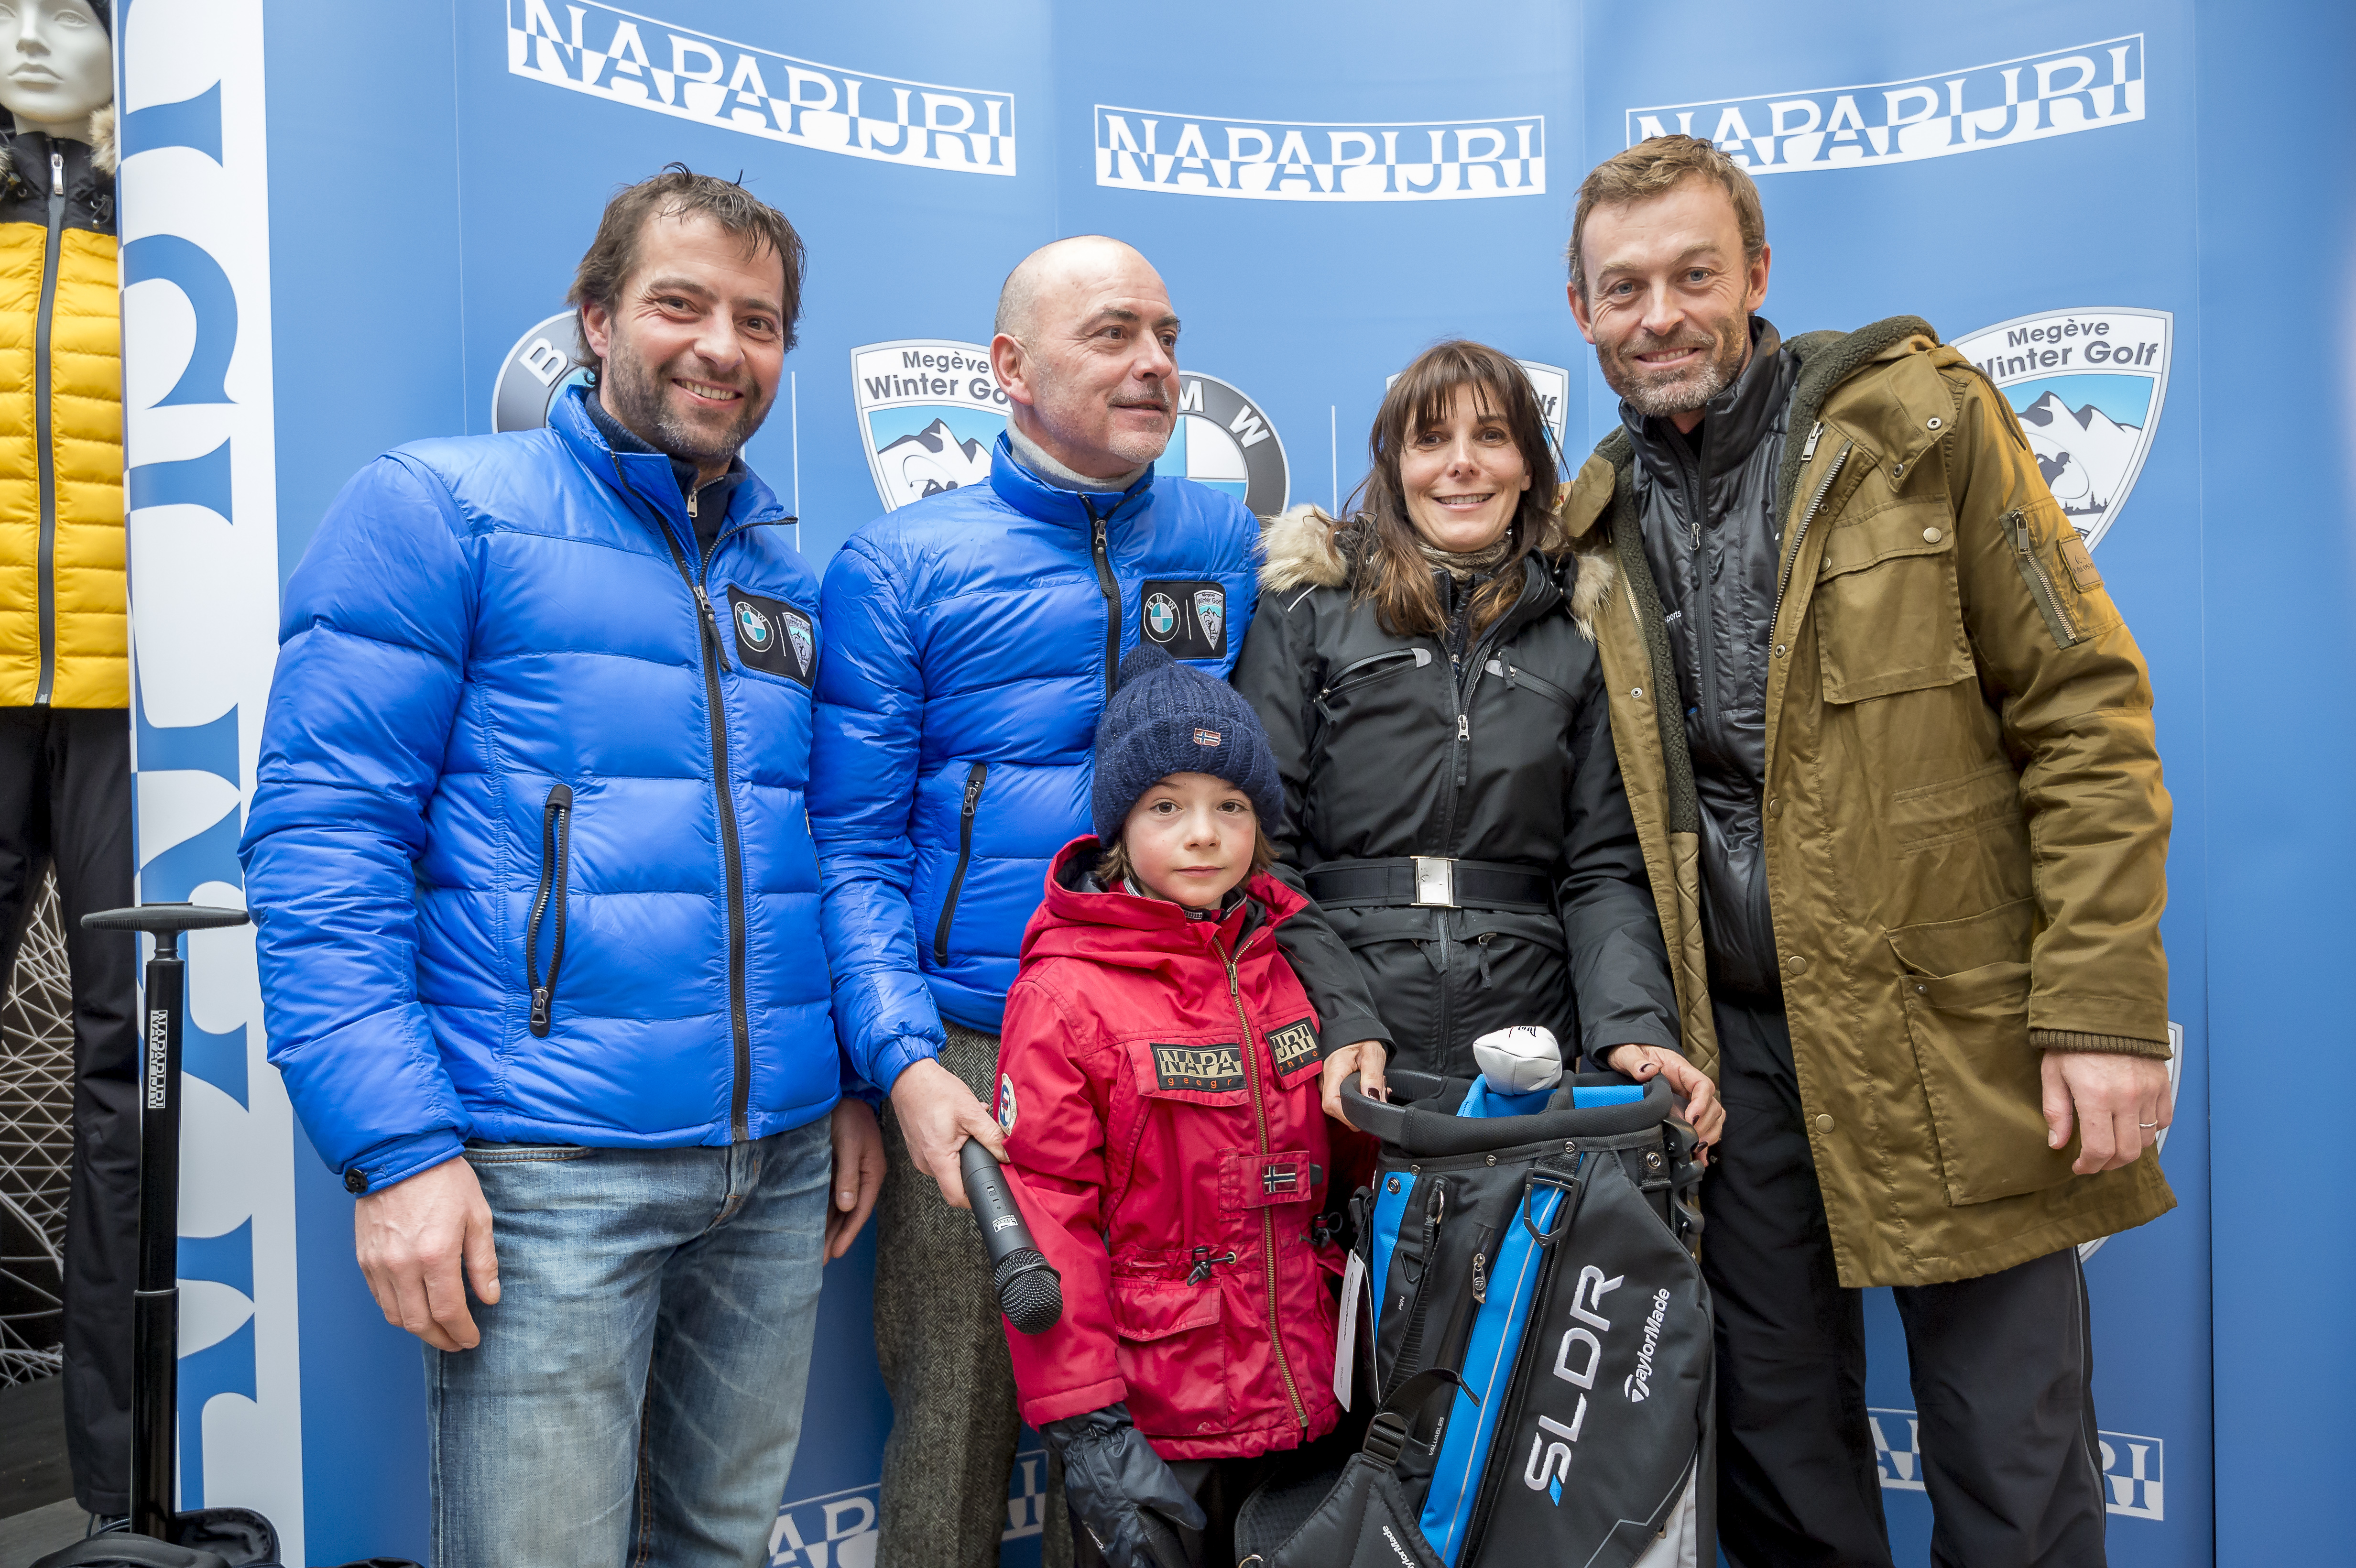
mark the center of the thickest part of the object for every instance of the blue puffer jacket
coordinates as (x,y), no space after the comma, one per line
(973,636)
(493,729)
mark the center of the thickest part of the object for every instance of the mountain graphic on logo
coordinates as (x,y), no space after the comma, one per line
(2086,456)
(933,459)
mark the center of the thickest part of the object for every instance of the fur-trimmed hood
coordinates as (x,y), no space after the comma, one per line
(1305,547)
(100,135)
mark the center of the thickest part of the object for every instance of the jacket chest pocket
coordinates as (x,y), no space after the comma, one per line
(1888,612)
(1351,684)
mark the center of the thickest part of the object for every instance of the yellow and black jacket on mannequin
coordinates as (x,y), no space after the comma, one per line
(62,615)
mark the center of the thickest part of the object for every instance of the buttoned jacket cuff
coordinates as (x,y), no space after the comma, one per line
(398,1160)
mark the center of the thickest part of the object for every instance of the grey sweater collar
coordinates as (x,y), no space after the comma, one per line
(1054,473)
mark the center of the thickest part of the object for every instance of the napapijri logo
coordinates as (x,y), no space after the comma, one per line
(1208,1069)
(2083,86)
(1638,1385)
(1179,153)
(544,361)
(1207,738)
(2088,385)
(930,411)
(1294,1045)
(159,1055)
(1223,438)
(753,628)
(2134,1466)
(1550,1463)
(630,59)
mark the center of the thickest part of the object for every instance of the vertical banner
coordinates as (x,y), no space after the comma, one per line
(199,445)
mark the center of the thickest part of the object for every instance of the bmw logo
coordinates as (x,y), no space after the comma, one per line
(753,628)
(544,362)
(1223,440)
(1160,617)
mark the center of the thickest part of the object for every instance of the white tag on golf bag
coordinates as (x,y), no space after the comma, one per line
(1345,1341)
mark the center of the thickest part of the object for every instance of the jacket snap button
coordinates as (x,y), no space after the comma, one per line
(1775,808)
(1824,1123)
(1898,471)
(1779,650)
(1797,964)
(1921,990)
(356,1181)
(1930,423)
(1636,691)
(1931,536)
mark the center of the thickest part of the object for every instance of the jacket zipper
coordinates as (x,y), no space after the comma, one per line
(555,866)
(2058,620)
(1267,1221)
(43,434)
(1110,586)
(1800,535)
(715,654)
(975,777)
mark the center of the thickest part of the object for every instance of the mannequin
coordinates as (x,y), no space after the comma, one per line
(65,738)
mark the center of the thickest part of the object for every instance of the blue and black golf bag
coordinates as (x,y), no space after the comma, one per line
(1540,1342)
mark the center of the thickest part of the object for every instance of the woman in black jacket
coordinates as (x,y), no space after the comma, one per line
(1452,797)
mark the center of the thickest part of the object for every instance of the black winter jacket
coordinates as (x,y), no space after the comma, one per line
(1387,751)
(1706,507)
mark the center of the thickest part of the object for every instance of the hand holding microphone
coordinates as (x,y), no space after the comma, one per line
(1029,1291)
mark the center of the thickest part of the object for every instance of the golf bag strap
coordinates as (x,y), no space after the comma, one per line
(1403,1411)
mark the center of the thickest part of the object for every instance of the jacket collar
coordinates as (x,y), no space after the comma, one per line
(1732,422)
(645,479)
(1034,497)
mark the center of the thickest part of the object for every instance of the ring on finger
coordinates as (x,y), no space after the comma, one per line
(2146,1126)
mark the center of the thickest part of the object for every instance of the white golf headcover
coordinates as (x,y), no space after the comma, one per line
(1519,1061)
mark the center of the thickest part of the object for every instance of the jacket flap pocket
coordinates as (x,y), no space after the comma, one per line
(1249,1179)
(1156,1308)
(1973,945)
(1981,1077)
(1899,531)
(1889,612)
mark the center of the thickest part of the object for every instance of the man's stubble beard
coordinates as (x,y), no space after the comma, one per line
(1136,450)
(633,394)
(1689,390)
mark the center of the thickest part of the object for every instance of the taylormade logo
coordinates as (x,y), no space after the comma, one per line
(1400,1551)
(1639,1384)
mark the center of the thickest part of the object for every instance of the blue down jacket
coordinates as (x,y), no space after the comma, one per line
(492,766)
(973,634)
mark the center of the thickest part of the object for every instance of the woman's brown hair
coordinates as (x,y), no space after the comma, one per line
(1391,571)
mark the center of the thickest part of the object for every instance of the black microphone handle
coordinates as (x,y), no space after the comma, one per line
(1002,1230)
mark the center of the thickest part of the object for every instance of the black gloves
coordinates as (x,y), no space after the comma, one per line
(1120,1490)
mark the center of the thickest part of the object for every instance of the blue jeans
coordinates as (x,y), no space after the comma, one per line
(638,1393)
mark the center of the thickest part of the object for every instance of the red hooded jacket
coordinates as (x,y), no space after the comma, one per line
(1158,1088)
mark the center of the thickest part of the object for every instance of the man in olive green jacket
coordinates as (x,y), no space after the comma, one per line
(1889,751)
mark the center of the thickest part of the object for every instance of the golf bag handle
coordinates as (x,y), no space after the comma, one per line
(1405,1125)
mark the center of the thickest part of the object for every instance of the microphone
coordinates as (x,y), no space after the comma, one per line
(1029,1291)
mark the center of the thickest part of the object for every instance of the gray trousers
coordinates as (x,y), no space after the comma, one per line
(942,1346)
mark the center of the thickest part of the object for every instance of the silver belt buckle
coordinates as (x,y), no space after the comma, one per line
(1435,881)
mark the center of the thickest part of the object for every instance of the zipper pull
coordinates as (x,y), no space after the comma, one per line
(691,496)
(1463,727)
(539,1009)
(1480,1277)
(1814,432)
(56,174)
(972,797)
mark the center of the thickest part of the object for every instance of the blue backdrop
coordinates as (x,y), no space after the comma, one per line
(369,216)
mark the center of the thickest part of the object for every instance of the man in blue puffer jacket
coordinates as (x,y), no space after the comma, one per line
(975,636)
(536,899)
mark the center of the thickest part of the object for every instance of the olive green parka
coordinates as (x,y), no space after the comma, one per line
(1966,833)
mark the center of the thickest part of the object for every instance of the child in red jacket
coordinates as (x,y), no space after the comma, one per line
(1158,1089)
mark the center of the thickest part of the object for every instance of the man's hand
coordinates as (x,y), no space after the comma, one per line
(410,1239)
(2119,1104)
(1703,1111)
(1365,1060)
(937,1114)
(858,1173)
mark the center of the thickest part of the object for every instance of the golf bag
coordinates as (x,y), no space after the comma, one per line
(1540,1342)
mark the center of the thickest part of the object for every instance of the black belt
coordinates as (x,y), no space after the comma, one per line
(1431,882)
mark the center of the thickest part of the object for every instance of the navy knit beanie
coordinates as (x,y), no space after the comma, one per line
(1168,718)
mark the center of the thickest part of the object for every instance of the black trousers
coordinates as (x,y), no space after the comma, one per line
(65,801)
(2001,1366)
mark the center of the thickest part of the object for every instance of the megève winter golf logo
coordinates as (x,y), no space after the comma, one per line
(2088,385)
(930,410)
(2080,87)
(671,68)
(1179,153)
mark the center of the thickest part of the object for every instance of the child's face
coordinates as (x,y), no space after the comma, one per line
(1189,838)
